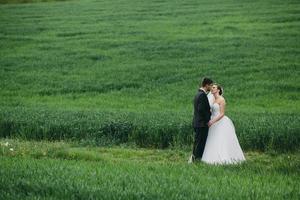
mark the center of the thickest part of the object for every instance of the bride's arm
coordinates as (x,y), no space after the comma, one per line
(218,117)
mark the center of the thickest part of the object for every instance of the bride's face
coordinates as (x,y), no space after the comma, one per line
(214,89)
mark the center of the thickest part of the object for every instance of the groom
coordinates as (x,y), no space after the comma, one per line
(201,118)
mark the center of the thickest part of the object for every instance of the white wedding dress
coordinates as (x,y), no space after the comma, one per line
(222,145)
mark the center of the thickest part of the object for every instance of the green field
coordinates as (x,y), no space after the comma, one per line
(84,84)
(126,71)
(43,170)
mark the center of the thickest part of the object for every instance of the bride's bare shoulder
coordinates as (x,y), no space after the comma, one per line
(222,100)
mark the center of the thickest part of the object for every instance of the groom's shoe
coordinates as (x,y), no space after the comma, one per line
(191,159)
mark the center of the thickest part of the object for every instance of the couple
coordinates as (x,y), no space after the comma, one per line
(215,140)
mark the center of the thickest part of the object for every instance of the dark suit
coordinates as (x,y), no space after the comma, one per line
(201,118)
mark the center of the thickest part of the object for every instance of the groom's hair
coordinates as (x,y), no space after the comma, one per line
(206,81)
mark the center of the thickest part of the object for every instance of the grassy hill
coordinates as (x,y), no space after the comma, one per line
(127,71)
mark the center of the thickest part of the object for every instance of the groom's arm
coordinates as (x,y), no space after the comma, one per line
(203,107)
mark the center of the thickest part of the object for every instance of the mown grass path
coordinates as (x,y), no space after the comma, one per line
(60,170)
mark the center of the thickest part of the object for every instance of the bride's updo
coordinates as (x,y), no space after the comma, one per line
(221,92)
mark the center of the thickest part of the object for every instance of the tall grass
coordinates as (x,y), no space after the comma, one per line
(256,132)
(25,1)
(128,70)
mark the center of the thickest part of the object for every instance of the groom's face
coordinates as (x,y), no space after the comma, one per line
(209,87)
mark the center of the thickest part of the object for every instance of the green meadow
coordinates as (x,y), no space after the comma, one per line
(112,72)
(96,97)
(59,170)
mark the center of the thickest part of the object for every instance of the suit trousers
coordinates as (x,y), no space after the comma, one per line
(199,141)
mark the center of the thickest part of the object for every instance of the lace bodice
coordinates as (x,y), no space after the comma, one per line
(215,110)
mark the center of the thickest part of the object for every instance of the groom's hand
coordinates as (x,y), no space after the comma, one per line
(210,123)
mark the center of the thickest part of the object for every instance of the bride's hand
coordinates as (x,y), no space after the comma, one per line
(210,123)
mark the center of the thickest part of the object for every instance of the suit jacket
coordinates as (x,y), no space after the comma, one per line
(201,110)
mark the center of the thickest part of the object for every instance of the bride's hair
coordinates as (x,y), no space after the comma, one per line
(221,92)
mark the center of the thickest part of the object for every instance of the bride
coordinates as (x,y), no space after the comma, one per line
(222,145)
